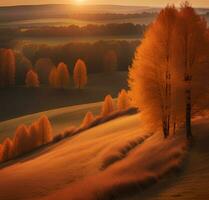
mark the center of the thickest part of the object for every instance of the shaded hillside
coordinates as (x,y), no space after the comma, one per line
(21,101)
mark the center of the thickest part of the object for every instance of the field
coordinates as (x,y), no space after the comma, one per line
(29,101)
(85,157)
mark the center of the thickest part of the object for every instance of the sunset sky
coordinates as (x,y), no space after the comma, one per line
(196,3)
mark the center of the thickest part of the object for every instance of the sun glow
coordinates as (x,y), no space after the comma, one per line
(79,1)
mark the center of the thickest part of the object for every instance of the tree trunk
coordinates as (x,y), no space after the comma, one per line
(188,114)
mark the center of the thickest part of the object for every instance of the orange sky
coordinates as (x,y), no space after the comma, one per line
(196,3)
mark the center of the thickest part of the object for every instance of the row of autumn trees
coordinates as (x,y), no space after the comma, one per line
(169,75)
(26,139)
(29,138)
(59,77)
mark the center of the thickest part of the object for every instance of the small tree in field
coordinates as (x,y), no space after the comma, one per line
(35,136)
(123,100)
(32,80)
(108,106)
(7,150)
(21,141)
(45,130)
(80,74)
(63,77)
(53,78)
(89,118)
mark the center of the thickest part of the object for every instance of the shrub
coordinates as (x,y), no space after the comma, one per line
(123,100)
(7,150)
(108,106)
(88,119)
(32,80)
(80,74)
(45,130)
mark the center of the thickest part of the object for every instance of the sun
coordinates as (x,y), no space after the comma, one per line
(79,1)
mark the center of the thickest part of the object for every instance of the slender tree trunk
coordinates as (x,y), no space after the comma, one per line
(188,114)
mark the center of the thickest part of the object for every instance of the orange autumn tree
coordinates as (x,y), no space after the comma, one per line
(88,119)
(151,77)
(53,78)
(123,101)
(169,75)
(80,74)
(45,130)
(21,140)
(192,62)
(108,106)
(62,77)
(32,80)
(7,67)
(7,150)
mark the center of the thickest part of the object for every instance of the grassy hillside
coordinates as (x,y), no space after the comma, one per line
(112,153)
(61,118)
(20,101)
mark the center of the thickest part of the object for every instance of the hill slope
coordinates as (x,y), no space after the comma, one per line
(118,153)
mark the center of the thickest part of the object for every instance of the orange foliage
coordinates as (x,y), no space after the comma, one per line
(45,130)
(171,62)
(7,149)
(32,80)
(21,140)
(7,67)
(89,118)
(27,139)
(80,74)
(34,135)
(53,78)
(59,77)
(123,100)
(108,106)
(63,77)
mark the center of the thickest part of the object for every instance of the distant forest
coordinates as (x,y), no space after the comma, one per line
(9,36)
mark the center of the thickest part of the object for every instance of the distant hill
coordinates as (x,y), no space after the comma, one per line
(29,12)
(13,13)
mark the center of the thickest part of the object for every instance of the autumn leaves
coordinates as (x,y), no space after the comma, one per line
(169,75)
(7,67)
(26,139)
(59,76)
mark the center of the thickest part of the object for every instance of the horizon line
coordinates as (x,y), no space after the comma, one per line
(89,4)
